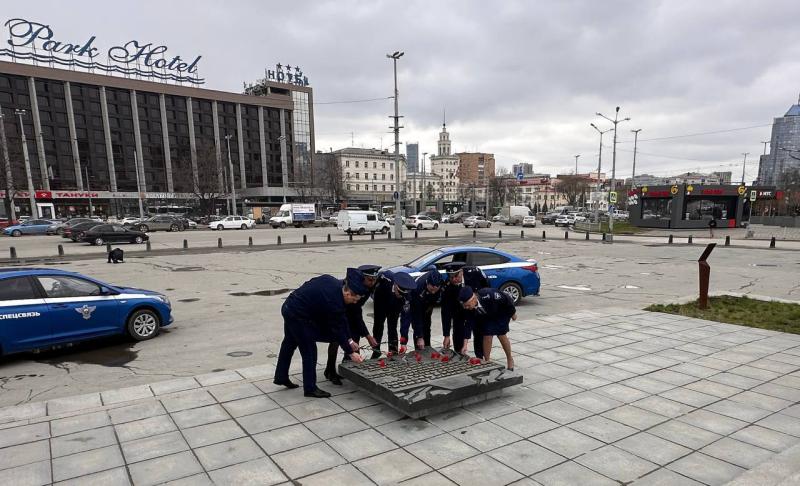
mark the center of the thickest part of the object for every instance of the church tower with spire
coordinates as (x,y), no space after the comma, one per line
(445,165)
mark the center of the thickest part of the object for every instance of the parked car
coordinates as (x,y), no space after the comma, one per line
(29,227)
(620,214)
(112,233)
(46,308)
(159,223)
(421,222)
(460,217)
(232,222)
(75,233)
(577,216)
(499,218)
(390,220)
(129,220)
(59,226)
(550,218)
(564,220)
(514,214)
(432,215)
(529,222)
(5,222)
(516,276)
(477,222)
(361,222)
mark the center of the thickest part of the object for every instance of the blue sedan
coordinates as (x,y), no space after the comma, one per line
(43,308)
(513,275)
(30,227)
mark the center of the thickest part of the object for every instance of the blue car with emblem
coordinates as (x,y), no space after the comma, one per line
(47,308)
(518,277)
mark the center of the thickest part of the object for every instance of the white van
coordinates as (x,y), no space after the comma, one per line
(515,214)
(361,222)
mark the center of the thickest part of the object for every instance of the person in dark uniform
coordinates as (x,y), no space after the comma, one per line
(423,299)
(355,320)
(460,275)
(391,298)
(492,310)
(316,312)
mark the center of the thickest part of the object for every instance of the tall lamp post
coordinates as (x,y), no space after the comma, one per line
(422,184)
(398,223)
(230,167)
(635,143)
(615,121)
(576,163)
(599,167)
(7,168)
(31,191)
(744,164)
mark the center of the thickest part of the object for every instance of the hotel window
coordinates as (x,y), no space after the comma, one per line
(358,187)
(383,177)
(347,163)
(383,165)
(366,175)
(374,165)
(384,188)
(375,176)
(374,187)
(357,175)
(356,164)
(391,177)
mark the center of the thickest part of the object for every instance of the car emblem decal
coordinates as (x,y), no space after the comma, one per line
(86,311)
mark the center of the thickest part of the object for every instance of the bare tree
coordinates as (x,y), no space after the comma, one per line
(573,188)
(206,188)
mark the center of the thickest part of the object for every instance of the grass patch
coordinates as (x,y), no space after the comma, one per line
(775,316)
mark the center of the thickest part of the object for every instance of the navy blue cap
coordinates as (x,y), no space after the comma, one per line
(355,282)
(404,281)
(465,293)
(434,278)
(454,267)
(370,270)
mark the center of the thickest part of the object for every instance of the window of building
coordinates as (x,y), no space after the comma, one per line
(349,187)
(383,177)
(374,165)
(347,163)
(366,175)
(383,165)
(375,176)
(391,166)
(383,188)
(358,187)
(391,177)
(356,164)
(374,187)
(358,175)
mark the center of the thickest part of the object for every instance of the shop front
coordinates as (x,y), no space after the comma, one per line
(687,206)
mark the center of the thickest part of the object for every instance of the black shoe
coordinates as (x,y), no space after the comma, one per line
(287,383)
(317,393)
(376,353)
(333,377)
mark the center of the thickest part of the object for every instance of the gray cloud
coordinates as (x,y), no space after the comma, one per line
(521,79)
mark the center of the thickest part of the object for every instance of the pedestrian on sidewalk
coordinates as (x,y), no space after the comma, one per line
(712,223)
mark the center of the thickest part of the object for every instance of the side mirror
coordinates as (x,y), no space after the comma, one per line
(108,291)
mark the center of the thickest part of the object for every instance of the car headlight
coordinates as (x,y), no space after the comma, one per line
(163,298)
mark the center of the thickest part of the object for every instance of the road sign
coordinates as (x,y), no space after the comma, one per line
(520,176)
(673,190)
(753,196)
(396,195)
(612,197)
(742,190)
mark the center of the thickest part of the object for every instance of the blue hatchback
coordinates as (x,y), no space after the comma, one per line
(30,227)
(513,275)
(43,308)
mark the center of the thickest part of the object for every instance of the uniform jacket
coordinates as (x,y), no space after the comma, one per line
(319,303)
(451,306)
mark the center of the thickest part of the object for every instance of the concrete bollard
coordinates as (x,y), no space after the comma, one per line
(13,252)
(60,250)
(446,234)
(544,235)
(329,237)
(250,240)
(185,244)
(727,240)
(279,239)
(670,239)
(500,234)
(415,234)
(690,239)
(219,242)
(146,246)
(350,236)
(372,236)
(587,236)
(305,239)
(522,234)
(604,237)
(566,235)
(108,247)
(474,234)
(389,235)
(772,242)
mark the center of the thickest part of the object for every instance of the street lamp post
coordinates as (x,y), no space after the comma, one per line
(599,167)
(744,164)
(31,191)
(422,188)
(230,167)
(398,224)
(576,163)
(7,168)
(615,121)
(635,142)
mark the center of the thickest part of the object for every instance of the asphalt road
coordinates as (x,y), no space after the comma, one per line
(227,303)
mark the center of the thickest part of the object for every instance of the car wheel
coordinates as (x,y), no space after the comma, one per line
(419,226)
(144,228)
(384,230)
(435,226)
(488,225)
(98,241)
(60,231)
(174,227)
(244,226)
(220,227)
(283,225)
(513,290)
(16,233)
(143,324)
(138,240)
(361,231)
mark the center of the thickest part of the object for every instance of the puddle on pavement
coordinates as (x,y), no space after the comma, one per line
(193,299)
(239,354)
(114,352)
(188,269)
(262,293)
(763,265)
(574,287)
(630,287)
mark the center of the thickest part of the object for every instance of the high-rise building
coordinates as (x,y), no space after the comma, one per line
(445,165)
(784,149)
(475,167)
(523,167)
(412,156)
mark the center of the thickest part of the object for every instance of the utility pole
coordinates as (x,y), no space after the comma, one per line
(31,191)
(230,167)
(398,223)
(576,163)
(635,142)
(615,121)
(7,167)
(744,164)
(599,167)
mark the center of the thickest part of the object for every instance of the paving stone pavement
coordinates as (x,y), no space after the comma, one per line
(611,396)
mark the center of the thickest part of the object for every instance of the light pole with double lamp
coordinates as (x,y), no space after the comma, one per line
(599,167)
(635,143)
(615,121)
(398,223)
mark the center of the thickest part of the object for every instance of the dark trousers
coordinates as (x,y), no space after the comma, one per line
(298,335)
(426,326)
(477,340)
(391,317)
(459,334)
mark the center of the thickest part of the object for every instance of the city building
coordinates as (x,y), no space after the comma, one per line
(119,140)
(645,180)
(713,178)
(475,168)
(412,157)
(784,149)
(523,168)
(368,175)
(445,164)
(688,205)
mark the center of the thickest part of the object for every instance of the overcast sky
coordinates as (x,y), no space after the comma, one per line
(522,80)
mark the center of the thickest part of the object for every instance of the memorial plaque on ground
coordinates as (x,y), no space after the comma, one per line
(428,382)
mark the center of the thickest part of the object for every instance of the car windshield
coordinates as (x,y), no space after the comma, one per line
(428,256)
(282,214)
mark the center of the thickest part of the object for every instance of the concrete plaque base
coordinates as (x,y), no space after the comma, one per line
(424,383)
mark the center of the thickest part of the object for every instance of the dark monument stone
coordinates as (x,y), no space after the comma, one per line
(427,382)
